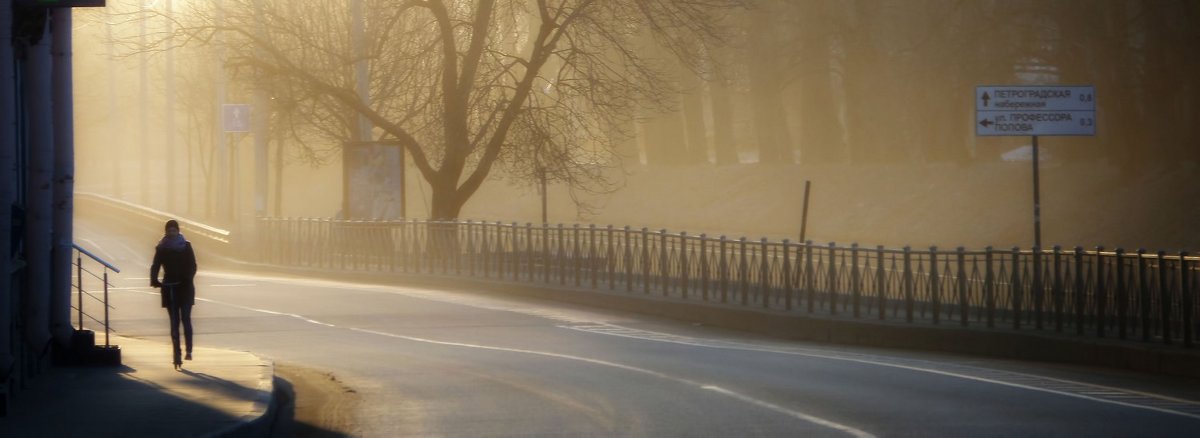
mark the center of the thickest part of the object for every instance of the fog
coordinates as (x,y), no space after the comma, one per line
(708,125)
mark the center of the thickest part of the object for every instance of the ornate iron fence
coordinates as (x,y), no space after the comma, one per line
(1140,295)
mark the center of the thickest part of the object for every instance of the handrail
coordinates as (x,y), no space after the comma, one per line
(79,287)
(96,258)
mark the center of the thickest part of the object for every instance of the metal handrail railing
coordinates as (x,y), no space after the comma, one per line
(79,270)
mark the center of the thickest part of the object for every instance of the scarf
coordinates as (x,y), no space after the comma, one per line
(176,243)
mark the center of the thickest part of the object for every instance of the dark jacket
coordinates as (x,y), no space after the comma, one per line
(179,266)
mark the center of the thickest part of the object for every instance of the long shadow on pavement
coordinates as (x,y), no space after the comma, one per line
(106,402)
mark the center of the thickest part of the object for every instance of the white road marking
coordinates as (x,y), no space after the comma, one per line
(1069,388)
(850,430)
(744,398)
(1047,385)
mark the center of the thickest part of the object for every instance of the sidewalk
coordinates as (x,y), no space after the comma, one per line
(220,393)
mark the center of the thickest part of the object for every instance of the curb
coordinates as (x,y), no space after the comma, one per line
(273,406)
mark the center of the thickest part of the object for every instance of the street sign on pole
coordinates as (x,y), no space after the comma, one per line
(1035,110)
(1029,110)
(235,117)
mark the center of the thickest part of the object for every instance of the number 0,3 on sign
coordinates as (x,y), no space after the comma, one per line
(1028,110)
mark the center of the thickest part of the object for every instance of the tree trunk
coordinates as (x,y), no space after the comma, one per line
(665,143)
(820,129)
(446,203)
(724,146)
(770,127)
(693,117)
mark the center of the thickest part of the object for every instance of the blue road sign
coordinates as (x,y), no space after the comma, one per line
(235,117)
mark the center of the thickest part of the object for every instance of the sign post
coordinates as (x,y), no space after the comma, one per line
(1035,110)
(235,118)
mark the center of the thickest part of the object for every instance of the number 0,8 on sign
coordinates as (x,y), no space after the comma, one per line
(1029,110)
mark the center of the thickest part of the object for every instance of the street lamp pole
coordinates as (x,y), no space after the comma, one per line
(169,113)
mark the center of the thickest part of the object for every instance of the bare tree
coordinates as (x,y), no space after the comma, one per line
(466,87)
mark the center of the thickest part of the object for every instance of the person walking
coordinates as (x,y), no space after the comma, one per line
(174,255)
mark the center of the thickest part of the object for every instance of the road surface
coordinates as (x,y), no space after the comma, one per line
(461,363)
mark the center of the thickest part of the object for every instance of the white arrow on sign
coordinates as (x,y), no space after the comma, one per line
(1023,123)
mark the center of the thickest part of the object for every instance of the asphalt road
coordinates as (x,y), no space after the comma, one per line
(460,363)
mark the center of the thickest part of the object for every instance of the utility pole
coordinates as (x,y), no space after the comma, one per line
(260,117)
(362,134)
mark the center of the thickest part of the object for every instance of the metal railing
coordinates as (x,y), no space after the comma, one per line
(81,291)
(1146,296)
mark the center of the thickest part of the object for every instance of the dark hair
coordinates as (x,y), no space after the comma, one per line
(172,224)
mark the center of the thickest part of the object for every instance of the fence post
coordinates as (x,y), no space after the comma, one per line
(723,272)
(664,266)
(1185,291)
(628,260)
(546,258)
(855,284)
(1143,294)
(704,267)
(1122,294)
(531,255)
(935,285)
(989,287)
(1015,290)
(743,271)
(880,283)
(470,248)
(1057,289)
(908,284)
(499,250)
(683,264)
(810,278)
(1101,294)
(832,283)
(485,250)
(576,252)
(963,307)
(453,244)
(1080,293)
(645,260)
(610,262)
(787,275)
(592,255)
(562,255)
(1038,292)
(1164,298)
(520,257)
(390,230)
(764,272)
